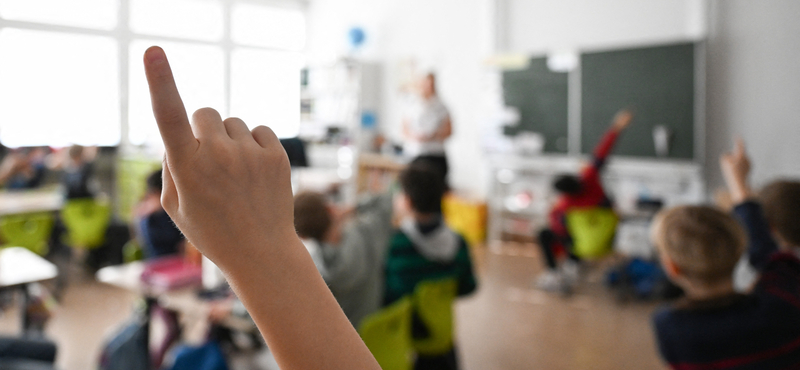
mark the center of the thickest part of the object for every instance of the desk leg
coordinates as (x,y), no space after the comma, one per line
(150,304)
(24,301)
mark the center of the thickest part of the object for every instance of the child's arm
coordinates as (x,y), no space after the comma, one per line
(736,169)
(228,190)
(622,120)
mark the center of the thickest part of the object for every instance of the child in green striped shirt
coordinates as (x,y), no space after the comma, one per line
(424,248)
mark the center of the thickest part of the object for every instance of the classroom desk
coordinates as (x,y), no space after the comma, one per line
(184,300)
(20,267)
(30,201)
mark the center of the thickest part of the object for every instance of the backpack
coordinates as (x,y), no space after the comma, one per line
(209,356)
(128,348)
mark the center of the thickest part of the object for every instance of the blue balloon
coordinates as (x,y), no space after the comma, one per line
(356,36)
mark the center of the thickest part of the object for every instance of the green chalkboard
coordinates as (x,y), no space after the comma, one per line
(541,97)
(656,82)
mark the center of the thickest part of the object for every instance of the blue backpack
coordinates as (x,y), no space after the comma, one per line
(206,357)
(127,350)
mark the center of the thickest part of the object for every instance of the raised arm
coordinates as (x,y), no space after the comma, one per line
(736,169)
(621,121)
(229,192)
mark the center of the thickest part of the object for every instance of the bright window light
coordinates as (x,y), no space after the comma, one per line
(58,89)
(97,14)
(198,73)
(265,89)
(191,19)
(266,26)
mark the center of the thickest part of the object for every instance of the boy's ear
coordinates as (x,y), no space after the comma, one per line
(400,201)
(670,267)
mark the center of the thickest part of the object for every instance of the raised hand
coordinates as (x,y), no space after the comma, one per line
(735,168)
(228,189)
(222,182)
(622,120)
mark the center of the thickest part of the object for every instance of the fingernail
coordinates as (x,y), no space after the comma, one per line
(154,54)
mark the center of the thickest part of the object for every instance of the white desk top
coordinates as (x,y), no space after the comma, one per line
(21,266)
(17,202)
(184,300)
(127,276)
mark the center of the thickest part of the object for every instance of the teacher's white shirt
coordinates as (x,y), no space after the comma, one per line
(425,117)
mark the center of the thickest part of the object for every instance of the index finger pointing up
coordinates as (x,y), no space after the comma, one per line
(167,105)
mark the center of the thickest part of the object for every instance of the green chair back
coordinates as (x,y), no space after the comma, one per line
(132,252)
(86,221)
(31,231)
(387,334)
(433,302)
(592,230)
(131,185)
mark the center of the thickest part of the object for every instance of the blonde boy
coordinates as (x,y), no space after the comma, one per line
(714,327)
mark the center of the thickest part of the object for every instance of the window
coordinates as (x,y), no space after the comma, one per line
(75,100)
(265,89)
(95,14)
(72,71)
(271,27)
(198,71)
(191,19)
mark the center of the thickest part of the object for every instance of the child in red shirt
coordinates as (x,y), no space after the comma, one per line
(581,191)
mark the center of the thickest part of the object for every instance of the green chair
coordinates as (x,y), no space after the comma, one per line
(132,252)
(433,303)
(86,221)
(31,231)
(592,230)
(387,334)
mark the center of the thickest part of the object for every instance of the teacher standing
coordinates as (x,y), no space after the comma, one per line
(426,126)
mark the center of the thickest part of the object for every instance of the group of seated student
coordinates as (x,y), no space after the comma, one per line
(26,168)
(249,233)
(377,253)
(23,168)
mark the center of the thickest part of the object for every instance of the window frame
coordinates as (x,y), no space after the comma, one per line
(124,36)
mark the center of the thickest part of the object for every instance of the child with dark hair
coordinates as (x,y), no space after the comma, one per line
(780,201)
(425,248)
(581,191)
(348,246)
(77,172)
(158,234)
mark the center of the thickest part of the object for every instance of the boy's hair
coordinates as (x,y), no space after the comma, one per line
(568,184)
(781,202)
(423,186)
(75,151)
(154,182)
(703,242)
(311,216)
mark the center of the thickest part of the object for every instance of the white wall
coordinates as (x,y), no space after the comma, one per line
(452,37)
(540,26)
(754,85)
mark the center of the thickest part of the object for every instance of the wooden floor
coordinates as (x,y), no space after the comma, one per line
(509,325)
(506,325)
